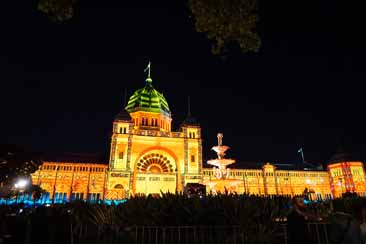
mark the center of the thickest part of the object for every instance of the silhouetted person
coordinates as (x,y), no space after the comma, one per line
(297,222)
(363,225)
(344,228)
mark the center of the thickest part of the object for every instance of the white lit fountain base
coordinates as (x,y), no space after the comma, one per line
(221,163)
(220,186)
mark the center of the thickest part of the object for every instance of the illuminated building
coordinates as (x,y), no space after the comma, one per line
(346,175)
(147,157)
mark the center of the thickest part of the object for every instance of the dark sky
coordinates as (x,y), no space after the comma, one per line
(62,84)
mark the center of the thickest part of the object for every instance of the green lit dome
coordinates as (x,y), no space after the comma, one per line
(148,99)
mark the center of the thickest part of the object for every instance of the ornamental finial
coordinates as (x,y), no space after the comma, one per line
(148,69)
(219,138)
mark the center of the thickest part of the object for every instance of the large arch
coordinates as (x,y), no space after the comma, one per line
(157,149)
(155,163)
(157,160)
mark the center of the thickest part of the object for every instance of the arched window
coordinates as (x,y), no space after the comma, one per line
(142,121)
(155,163)
(190,135)
(118,186)
(124,130)
(194,135)
(120,130)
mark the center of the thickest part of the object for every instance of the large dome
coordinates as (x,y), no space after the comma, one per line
(148,99)
(342,157)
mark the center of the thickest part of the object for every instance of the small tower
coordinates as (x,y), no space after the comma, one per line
(346,174)
(192,146)
(122,128)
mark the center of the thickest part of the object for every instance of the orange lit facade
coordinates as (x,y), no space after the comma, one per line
(271,181)
(65,181)
(347,177)
(147,157)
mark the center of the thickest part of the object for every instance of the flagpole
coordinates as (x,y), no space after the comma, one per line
(301,151)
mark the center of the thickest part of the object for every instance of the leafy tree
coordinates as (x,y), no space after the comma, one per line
(224,21)
(57,10)
(16,162)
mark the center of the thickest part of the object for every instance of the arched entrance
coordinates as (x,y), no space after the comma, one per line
(155,172)
(118,192)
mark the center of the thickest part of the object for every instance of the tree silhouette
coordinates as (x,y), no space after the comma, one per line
(16,162)
(224,21)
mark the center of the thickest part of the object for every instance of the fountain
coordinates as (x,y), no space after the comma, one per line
(221,183)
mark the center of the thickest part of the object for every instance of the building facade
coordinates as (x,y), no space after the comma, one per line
(147,157)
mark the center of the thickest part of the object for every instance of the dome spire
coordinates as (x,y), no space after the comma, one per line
(148,69)
(189,120)
(125,98)
(189,107)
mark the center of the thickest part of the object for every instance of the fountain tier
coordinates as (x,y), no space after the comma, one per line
(221,163)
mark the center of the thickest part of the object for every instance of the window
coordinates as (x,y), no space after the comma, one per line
(60,197)
(93,197)
(194,135)
(124,130)
(120,130)
(120,156)
(192,158)
(77,196)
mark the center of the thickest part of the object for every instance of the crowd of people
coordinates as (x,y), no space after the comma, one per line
(345,218)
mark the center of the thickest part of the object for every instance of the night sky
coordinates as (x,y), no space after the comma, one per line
(63,84)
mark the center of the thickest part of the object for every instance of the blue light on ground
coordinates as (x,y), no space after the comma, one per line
(29,202)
